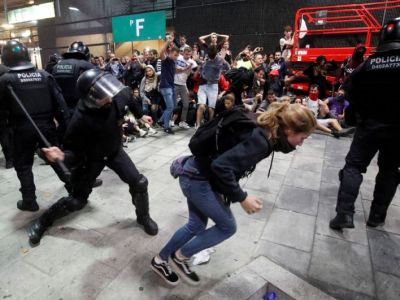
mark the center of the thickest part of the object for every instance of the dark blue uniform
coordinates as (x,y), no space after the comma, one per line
(44,102)
(373,94)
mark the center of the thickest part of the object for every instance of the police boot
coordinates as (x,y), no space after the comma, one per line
(61,208)
(141,201)
(35,232)
(28,205)
(341,221)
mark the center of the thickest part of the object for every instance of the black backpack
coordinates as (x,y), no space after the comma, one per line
(222,133)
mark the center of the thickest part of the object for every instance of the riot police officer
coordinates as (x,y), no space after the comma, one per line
(94,138)
(41,97)
(66,72)
(5,129)
(372,90)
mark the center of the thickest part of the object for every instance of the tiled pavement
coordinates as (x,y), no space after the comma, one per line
(101,253)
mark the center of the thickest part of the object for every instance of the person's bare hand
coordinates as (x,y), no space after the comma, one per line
(251,204)
(147,119)
(53,154)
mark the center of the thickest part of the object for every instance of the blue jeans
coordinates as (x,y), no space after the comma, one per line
(203,203)
(169,99)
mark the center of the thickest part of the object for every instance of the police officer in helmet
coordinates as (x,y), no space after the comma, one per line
(94,137)
(66,72)
(6,133)
(42,98)
(372,90)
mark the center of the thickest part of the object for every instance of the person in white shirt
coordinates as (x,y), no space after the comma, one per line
(286,43)
(184,67)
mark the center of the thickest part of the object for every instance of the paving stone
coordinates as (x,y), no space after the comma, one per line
(259,180)
(329,192)
(298,200)
(294,286)
(239,286)
(341,263)
(303,179)
(330,174)
(13,247)
(297,233)
(310,150)
(266,211)
(307,163)
(154,162)
(356,235)
(289,258)
(50,256)
(83,280)
(19,279)
(388,286)
(392,222)
(385,251)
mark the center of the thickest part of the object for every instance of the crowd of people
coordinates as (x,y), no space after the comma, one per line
(185,85)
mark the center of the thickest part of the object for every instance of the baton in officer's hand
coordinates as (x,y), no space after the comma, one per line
(59,163)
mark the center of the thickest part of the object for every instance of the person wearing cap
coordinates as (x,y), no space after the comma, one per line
(42,99)
(372,91)
(94,138)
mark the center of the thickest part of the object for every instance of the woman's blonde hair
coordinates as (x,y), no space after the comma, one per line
(295,117)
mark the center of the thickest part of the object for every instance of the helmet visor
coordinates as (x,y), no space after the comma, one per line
(105,88)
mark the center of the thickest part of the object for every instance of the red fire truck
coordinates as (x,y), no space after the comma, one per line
(334,31)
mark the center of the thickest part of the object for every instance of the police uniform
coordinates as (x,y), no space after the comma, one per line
(43,101)
(68,69)
(6,132)
(372,91)
(94,136)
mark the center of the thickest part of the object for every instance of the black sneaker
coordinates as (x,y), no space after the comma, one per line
(168,131)
(183,269)
(164,271)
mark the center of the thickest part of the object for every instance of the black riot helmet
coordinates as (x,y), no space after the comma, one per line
(97,88)
(389,36)
(15,56)
(78,50)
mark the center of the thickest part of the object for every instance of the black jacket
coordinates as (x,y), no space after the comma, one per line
(372,89)
(225,171)
(40,95)
(66,72)
(95,134)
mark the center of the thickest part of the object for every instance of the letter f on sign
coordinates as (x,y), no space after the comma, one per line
(139,26)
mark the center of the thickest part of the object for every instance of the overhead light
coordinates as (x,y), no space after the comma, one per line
(34,21)
(73,8)
(31,2)
(26,33)
(7,26)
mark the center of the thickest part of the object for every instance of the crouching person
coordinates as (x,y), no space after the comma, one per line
(93,141)
(210,181)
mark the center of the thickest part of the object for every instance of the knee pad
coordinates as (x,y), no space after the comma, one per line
(141,185)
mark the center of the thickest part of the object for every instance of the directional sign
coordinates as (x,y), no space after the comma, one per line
(139,27)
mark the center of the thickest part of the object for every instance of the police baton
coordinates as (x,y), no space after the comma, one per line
(60,164)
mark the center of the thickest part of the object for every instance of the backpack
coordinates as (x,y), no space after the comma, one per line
(222,133)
